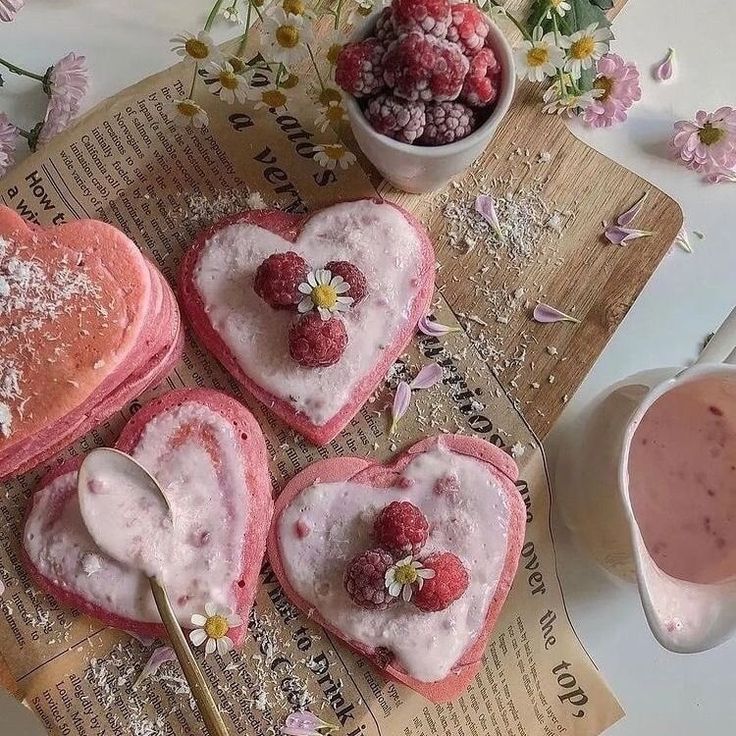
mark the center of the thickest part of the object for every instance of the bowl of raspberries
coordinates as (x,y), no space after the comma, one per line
(427,83)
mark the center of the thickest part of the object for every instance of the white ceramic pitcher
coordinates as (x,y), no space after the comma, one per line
(593,483)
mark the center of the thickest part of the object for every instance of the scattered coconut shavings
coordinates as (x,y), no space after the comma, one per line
(91,564)
(683,240)
(6,420)
(207,209)
(665,70)
(545,314)
(517,450)
(626,218)
(2,587)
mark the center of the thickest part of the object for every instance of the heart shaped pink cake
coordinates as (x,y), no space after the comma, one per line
(408,563)
(308,312)
(86,324)
(209,455)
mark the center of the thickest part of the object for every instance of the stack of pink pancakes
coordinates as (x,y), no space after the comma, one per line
(86,324)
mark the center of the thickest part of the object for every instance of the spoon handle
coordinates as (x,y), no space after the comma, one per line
(201,692)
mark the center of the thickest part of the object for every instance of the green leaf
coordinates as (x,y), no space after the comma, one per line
(603,4)
(536,16)
(581,15)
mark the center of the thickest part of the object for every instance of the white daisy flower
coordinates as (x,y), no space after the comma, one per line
(333,45)
(231,13)
(323,292)
(295,7)
(188,112)
(199,49)
(402,576)
(331,114)
(213,628)
(285,37)
(269,96)
(584,48)
(557,6)
(226,83)
(332,155)
(538,58)
(568,104)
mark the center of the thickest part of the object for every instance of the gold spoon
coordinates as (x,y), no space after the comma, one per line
(97,502)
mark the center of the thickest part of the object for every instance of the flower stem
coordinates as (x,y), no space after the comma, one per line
(516,22)
(194,81)
(213,14)
(338,10)
(560,75)
(316,68)
(19,70)
(244,39)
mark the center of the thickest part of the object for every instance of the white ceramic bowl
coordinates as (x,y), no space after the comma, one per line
(424,168)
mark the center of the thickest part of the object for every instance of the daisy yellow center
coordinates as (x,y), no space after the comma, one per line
(287,36)
(187,108)
(237,64)
(274,98)
(582,48)
(329,94)
(537,56)
(334,152)
(365,10)
(605,84)
(196,48)
(555,3)
(229,80)
(334,113)
(406,575)
(324,295)
(333,52)
(290,82)
(295,7)
(216,627)
(709,135)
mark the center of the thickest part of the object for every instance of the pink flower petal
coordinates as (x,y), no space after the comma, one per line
(68,82)
(304,723)
(545,314)
(626,218)
(427,377)
(620,235)
(429,327)
(486,208)
(402,399)
(665,70)
(160,656)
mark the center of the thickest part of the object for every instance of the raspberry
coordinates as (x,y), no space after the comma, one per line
(353,275)
(385,31)
(401,528)
(365,579)
(419,67)
(468,28)
(483,79)
(447,122)
(396,118)
(277,279)
(426,16)
(315,342)
(450,581)
(359,70)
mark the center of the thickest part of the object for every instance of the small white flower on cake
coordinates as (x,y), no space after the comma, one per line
(226,83)
(286,37)
(404,575)
(213,628)
(188,112)
(199,49)
(332,155)
(323,292)
(269,96)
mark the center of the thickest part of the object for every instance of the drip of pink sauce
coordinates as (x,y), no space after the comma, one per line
(682,480)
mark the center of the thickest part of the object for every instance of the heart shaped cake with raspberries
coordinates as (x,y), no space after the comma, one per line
(408,563)
(208,453)
(308,312)
(86,325)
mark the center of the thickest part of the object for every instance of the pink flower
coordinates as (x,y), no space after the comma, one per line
(9,9)
(616,89)
(707,145)
(66,84)
(8,141)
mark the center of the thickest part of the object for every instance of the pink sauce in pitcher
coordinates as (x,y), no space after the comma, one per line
(682,480)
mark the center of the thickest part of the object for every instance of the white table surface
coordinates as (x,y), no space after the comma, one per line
(662,693)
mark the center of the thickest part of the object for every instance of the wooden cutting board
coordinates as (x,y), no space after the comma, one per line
(597,280)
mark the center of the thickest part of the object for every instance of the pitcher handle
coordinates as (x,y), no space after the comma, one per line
(721,348)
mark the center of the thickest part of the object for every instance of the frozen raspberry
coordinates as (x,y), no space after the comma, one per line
(401,528)
(359,70)
(396,118)
(419,67)
(277,279)
(483,79)
(315,342)
(385,31)
(450,581)
(468,28)
(365,579)
(426,16)
(447,122)
(353,275)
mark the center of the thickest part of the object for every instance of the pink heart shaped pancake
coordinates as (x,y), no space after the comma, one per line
(250,338)
(209,455)
(465,488)
(86,324)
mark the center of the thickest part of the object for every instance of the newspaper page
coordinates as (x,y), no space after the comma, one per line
(128,164)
